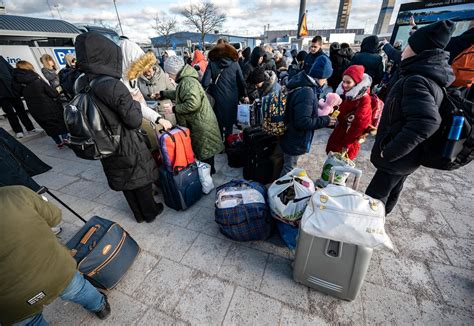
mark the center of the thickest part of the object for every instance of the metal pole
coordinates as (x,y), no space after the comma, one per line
(118,17)
(300,18)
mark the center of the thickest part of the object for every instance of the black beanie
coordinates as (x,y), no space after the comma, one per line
(301,56)
(258,75)
(432,36)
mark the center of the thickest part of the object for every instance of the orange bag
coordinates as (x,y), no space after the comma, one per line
(176,150)
(463,67)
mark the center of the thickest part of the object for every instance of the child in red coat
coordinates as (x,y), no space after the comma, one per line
(355,112)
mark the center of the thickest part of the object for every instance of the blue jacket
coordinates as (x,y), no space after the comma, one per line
(302,115)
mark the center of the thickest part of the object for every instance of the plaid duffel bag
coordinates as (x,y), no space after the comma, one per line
(242,212)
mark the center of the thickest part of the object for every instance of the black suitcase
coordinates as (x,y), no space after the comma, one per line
(181,189)
(103,250)
(236,155)
(264,158)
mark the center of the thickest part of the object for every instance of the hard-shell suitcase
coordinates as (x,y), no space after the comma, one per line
(103,250)
(329,266)
(181,189)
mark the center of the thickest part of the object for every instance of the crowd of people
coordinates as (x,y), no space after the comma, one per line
(202,90)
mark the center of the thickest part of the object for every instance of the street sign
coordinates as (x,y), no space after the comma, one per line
(61,54)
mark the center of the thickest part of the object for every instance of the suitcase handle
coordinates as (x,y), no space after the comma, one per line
(343,169)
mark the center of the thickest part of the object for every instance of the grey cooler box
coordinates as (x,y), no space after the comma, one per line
(332,267)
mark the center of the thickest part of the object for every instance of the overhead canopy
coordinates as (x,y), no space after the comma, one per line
(21,26)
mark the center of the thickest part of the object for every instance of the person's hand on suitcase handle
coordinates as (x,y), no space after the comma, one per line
(165,123)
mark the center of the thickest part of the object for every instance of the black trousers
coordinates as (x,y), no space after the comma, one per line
(387,188)
(142,203)
(14,109)
(210,161)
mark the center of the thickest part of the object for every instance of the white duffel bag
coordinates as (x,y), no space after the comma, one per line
(343,214)
(290,210)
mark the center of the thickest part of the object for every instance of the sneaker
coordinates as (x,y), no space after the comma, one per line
(105,311)
(35,131)
(56,230)
(19,135)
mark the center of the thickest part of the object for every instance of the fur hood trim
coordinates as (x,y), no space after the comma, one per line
(357,91)
(223,50)
(145,62)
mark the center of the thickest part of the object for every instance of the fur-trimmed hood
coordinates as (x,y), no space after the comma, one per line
(222,51)
(137,67)
(357,91)
(130,52)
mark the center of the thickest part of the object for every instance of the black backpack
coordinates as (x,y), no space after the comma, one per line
(454,103)
(91,136)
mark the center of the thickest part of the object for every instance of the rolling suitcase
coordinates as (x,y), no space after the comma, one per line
(103,250)
(181,189)
(329,266)
(264,157)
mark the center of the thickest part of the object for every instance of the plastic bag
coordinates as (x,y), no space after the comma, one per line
(235,196)
(243,114)
(289,195)
(204,171)
(288,234)
(336,159)
(343,214)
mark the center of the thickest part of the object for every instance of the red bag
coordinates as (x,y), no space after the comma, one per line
(176,150)
(377,109)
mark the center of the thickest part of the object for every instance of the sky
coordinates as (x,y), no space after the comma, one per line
(244,17)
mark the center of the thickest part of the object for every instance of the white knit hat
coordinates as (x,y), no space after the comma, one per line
(173,65)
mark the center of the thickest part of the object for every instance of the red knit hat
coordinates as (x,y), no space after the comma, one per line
(356,72)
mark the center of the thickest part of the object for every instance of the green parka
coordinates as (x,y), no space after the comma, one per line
(194,111)
(34,267)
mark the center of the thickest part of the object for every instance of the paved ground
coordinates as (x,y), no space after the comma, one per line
(188,273)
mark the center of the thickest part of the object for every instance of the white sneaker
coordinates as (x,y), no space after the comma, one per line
(35,131)
(56,230)
(19,135)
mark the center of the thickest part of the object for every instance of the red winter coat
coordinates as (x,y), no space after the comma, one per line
(355,117)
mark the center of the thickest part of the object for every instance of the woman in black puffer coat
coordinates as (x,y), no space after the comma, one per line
(370,58)
(42,101)
(224,81)
(131,169)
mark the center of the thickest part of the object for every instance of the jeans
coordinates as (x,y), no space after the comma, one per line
(58,139)
(79,291)
(289,163)
(387,188)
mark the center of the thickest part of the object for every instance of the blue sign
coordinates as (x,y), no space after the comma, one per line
(61,55)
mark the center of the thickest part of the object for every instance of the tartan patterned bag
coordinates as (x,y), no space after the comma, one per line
(242,212)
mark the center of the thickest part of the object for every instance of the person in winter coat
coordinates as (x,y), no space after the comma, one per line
(152,81)
(369,58)
(304,91)
(245,57)
(68,76)
(11,105)
(132,68)
(131,169)
(35,267)
(224,81)
(280,62)
(199,60)
(42,100)
(256,59)
(269,60)
(299,66)
(315,50)
(265,83)
(341,60)
(355,112)
(294,53)
(411,113)
(49,71)
(194,111)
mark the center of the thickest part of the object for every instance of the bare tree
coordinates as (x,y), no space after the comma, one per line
(205,17)
(164,27)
